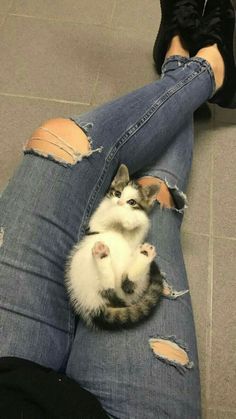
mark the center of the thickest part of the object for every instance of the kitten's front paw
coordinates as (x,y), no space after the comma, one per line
(100,250)
(148,250)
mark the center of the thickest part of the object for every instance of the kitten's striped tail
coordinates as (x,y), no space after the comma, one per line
(125,317)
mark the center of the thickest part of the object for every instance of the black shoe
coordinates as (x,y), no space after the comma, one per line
(203,113)
(219,27)
(179,17)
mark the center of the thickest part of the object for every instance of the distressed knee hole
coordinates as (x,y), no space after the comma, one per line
(61,140)
(168,196)
(170,293)
(170,352)
(163,195)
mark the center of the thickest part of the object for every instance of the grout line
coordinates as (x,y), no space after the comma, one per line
(59,19)
(113,12)
(215,236)
(79,22)
(210,288)
(71,102)
(194,233)
(92,96)
(225,237)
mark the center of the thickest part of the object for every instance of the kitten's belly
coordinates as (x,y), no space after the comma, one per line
(120,250)
(83,276)
(83,270)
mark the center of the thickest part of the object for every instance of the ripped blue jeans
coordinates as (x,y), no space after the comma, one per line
(45,209)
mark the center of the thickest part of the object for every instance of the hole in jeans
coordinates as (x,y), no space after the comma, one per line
(60,140)
(169,350)
(163,195)
(170,292)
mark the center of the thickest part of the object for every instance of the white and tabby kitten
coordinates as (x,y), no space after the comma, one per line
(110,274)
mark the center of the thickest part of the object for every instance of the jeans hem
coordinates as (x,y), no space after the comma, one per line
(181,61)
(207,65)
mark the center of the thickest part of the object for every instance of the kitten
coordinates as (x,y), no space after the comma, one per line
(111,277)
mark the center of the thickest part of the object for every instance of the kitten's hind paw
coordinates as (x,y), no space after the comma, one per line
(100,250)
(148,250)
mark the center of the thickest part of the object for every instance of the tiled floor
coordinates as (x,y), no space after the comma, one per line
(60,58)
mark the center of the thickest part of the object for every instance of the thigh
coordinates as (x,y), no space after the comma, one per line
(131,376)
(47,204)
(41,211)
(150,370)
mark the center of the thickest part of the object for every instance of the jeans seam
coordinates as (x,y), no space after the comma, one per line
(151,111)
(70,339)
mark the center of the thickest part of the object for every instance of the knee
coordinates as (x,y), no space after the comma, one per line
(61,139)
(164,196)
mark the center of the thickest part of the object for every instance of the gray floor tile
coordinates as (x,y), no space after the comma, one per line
(225,115)
(220,414)
(209,414)
(50,59)
(224,181)
(195,249)
(5,6)
(18,119)
(197,215)
(223,363)
(2,17)
(85,11)
(127,64)
(84,61)
(137,14)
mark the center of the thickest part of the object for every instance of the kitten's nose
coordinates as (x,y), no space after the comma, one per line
(120,202)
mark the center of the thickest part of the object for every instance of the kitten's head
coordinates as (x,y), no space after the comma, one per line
(129,193)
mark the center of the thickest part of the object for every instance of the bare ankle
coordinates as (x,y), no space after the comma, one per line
(214,58)
(176,47)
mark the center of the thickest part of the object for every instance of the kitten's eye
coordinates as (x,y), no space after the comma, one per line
(117,194)
(131,202)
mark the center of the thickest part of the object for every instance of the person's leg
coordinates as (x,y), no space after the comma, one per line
(151,370)
(47,204)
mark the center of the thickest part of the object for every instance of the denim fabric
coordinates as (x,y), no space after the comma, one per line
(45,209)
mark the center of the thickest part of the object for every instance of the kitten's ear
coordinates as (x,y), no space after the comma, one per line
(122,176)
(150,192)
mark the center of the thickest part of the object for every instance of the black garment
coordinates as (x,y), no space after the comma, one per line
(30,391)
